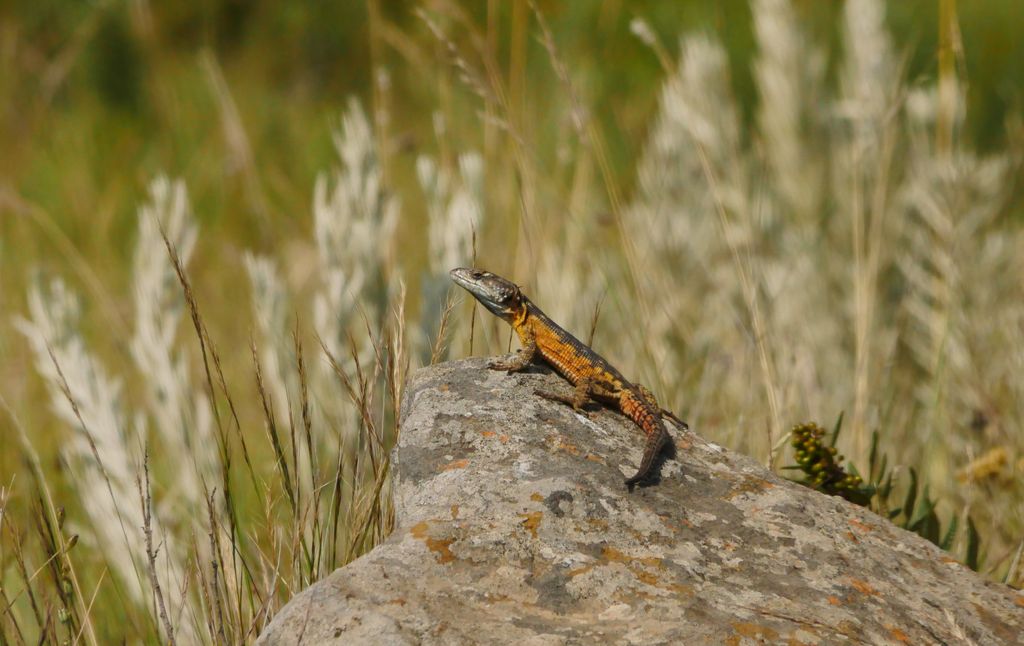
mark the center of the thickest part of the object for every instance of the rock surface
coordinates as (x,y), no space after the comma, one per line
(514,527)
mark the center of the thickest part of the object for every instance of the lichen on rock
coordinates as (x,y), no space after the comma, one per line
(513,527)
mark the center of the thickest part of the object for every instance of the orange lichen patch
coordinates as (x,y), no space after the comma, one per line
(835,601)
(852,537)
(455,512)
(629,597)
(864,527)
(396,602)
(639,566)
(531,521)
(595,458)
(750,485)
(647,577)
(488,433)
(599,523)
(536,497)
(444,388)
(898,634)
(850,629)
(440,546)
(503,438)
(456,464)
(948,559)
(580,570)
(751,631)
(1019,600)
(863,586)
(612,555)
(559,443)
(794,640)
(495,598)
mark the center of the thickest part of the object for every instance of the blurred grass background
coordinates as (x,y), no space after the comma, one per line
(240,99)
(100,96)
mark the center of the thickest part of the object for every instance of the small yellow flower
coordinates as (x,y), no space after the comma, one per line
(990,465)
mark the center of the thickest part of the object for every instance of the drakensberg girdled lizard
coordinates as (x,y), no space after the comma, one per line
(593,377)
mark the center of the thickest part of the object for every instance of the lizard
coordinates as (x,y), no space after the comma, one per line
(592,375)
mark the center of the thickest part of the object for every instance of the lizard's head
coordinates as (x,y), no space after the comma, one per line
(502,297)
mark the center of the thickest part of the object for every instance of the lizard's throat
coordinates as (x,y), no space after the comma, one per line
(518,318)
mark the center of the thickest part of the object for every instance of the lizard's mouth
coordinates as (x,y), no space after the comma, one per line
(465,276)
(469,280)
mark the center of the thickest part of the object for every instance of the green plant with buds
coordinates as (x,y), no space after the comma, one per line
(822,465)
(819,460)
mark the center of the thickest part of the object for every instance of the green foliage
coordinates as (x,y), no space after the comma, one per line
(822,465)
(119,65)
(823,471)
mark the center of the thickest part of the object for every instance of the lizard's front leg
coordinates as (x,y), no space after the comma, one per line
(521,359)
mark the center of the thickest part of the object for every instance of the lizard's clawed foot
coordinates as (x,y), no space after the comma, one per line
(514,363)
(669,415)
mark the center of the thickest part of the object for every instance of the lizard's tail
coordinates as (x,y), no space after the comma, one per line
(648,418)
(655,442)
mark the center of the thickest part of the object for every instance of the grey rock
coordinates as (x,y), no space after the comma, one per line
(514,527)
